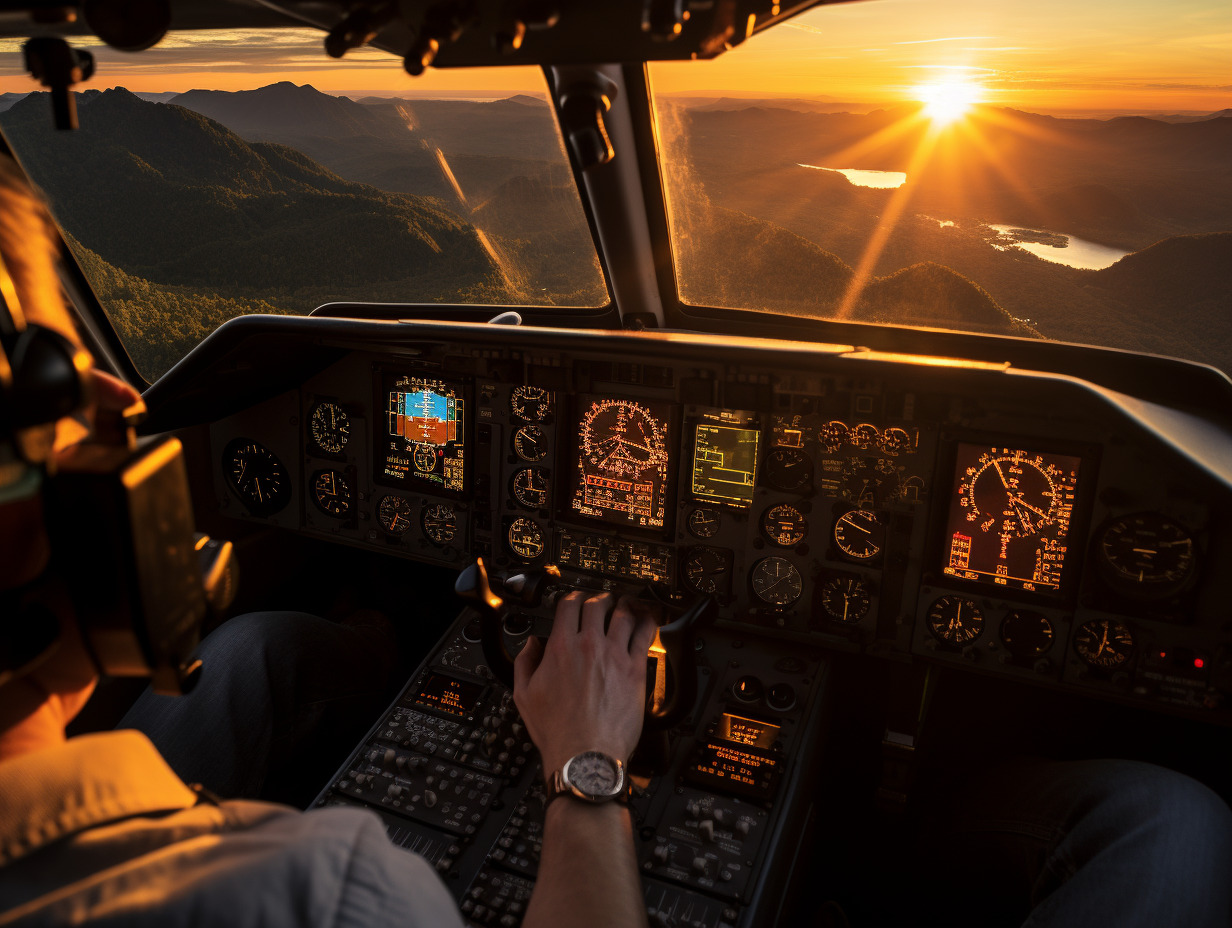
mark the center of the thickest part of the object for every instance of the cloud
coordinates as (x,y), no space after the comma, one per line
(952,38)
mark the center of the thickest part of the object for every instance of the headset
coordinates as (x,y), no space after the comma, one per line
(117,517)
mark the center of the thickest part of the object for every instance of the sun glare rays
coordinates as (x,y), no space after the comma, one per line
(947,101)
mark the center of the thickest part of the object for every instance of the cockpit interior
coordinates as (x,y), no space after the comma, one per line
(901,519)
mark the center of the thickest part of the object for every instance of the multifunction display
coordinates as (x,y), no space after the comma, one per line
(601,554)
(623,461)
(739,760)
(1009,517)
(724,463)
(448,695)
(425,436)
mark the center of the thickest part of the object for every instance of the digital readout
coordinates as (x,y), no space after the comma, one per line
(1009,517)
(743,770)
(615,557)
(725,463)
(623,461)
(445,694)
(748,732)
(425,432)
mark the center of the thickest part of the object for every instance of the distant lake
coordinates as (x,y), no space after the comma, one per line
(1057,247)
(884,180)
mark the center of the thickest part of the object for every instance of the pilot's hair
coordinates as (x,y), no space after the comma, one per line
(30,247)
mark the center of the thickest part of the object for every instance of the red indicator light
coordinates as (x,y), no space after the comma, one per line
(1162,655)
(1199,663)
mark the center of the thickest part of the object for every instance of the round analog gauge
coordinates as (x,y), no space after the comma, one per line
(439,523)
(1104,643)
(845,599)
(530,488)
(859,534)
(833,435)
(708,570)
(331,493)
(784,525)
(331,427)
(776,581)
(894,441)
(425,458)
(530,444)
(525,538)
(865,436)
(1027,634)
(531,403)
(955,620)
(257,476)
(870,482)
(1146,554)
(394,513)
(787,469)
(704,523)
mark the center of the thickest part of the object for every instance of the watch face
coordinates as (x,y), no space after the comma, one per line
(594,774)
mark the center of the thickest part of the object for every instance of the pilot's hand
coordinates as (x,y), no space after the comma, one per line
(586,690)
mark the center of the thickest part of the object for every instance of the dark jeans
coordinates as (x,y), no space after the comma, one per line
(283,697)
(1083,843)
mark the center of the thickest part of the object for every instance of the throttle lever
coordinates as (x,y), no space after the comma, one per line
(678,640)
(525,587)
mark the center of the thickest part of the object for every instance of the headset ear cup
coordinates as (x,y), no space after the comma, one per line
(48,378)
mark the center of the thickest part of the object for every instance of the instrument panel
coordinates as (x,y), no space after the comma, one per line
(1024,528)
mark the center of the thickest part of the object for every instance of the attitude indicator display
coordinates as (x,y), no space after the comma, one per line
(623,461)
(725,464)
(425,436)
(1009,517)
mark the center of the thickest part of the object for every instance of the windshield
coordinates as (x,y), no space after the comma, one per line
(225,173)
(1048,170)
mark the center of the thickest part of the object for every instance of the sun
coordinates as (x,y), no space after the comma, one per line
(948,101)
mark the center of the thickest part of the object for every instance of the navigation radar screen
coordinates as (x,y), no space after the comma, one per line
(425,436)
(725,464)
(1009,517)
(623,461)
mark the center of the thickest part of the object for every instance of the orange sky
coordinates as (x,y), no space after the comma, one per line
(1047,55)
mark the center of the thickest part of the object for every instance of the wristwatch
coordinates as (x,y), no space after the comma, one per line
(591,776)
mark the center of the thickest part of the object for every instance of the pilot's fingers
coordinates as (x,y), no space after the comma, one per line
(112,393)
(644,632)
(568,611)
(620,629)
(526,663)
(594,614)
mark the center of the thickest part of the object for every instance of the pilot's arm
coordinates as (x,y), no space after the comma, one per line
(586,692)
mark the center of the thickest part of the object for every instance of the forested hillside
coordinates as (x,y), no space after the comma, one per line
(178,201)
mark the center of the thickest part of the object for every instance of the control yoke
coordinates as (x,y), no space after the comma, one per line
(526,587)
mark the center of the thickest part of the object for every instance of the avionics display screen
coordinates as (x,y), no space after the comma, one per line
(445,694)
(1009,517)
(739,759)
(425,434)
(624,460)
(725,463)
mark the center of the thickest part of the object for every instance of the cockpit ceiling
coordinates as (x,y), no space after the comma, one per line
(485,34)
